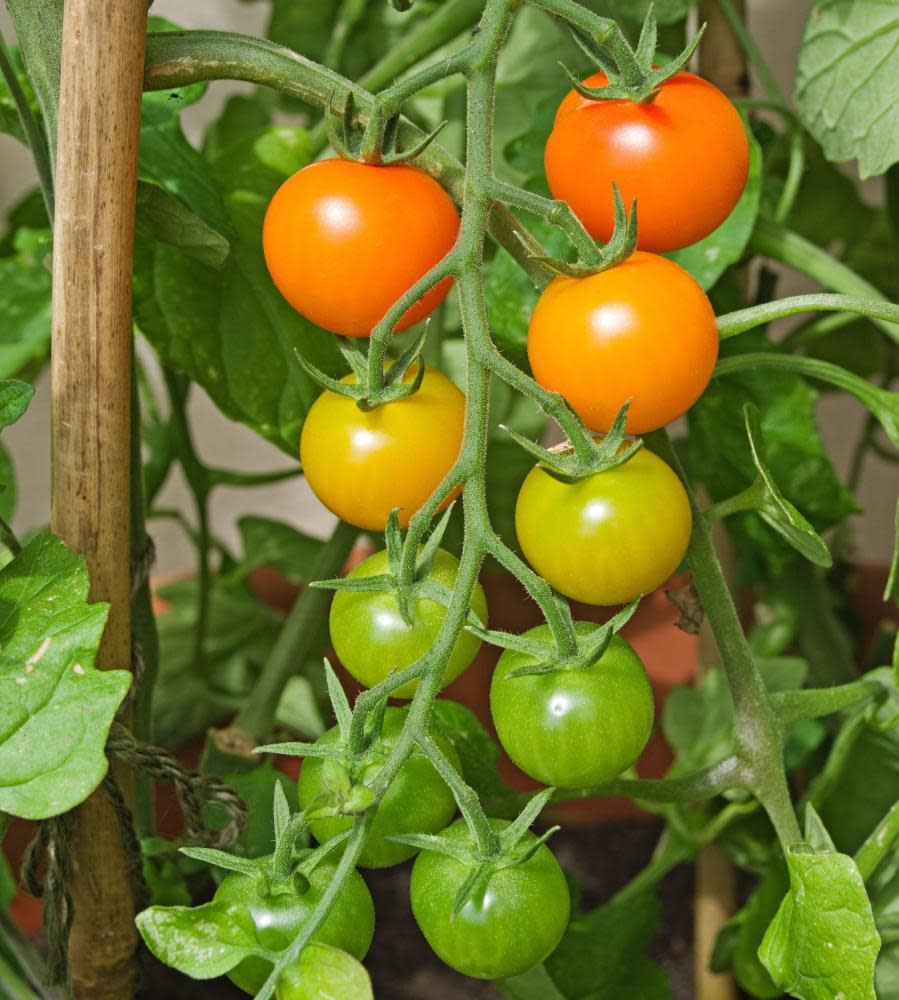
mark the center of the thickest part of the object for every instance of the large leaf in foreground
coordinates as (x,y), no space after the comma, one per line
(847,82)
(822,943)
(56,708)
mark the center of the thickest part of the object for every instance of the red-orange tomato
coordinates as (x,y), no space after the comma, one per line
(643,330)
(343,241)
(684,156)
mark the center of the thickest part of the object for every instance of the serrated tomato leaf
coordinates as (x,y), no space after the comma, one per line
(56,708)
(201,941)
(847,82)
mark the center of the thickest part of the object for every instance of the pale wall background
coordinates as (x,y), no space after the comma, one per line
(777,24)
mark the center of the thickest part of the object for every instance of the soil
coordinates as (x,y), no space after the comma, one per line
(402,967)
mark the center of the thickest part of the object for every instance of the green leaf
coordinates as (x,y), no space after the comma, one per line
(162,217)
(198,317)
(189,697)
(535,984)
(864,787)
(275,543)
(201,941)
(25,302)
(298,709)
(56,707)
(708,259)
(478,754)
(38,25)
(603,954)
(323,973)
(14,399)
(775,510)
(795,456)
(698,723)
(847,82)
(822,943)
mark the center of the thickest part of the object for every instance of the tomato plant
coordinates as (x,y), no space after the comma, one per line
(514,917)
(601,341)
(683,156)
(564,367)
(574,728)
(371,637)
(344,240)
(609,538)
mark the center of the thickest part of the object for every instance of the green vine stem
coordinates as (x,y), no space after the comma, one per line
(735,323)
(774,241)
(756,728)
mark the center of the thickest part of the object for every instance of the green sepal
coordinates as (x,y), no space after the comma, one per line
(472,885)
(631,74)
(609,452)
(222,859)
(434,842)
(620,246)
(512,834)
(299,749)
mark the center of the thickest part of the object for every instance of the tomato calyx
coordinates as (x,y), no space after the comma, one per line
(372,141)
(407,588)
(631,72)
(286,870)
(508,851)
(590,646)
(601,257)
(563,461)
(395,383)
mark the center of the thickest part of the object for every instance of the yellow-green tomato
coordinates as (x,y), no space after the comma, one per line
(417,801)
(609,538)
(573,728)
(372,638)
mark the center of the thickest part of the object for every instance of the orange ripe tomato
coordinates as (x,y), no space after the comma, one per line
(343,241)
(643,330)
(362,465)
(684,156)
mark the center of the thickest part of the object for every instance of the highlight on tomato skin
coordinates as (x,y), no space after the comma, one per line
(684,157)
(344,240)
(363,464)
(607,539)
(642,331)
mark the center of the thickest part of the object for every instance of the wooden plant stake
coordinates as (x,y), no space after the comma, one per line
(96,177)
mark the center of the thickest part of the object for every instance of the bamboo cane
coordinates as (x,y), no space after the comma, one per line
(96,176)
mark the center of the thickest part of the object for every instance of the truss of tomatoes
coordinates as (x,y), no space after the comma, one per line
(641,331)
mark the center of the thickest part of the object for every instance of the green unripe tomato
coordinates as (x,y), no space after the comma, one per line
(573,728)
(513,923)
(280,913)
(324,973)
(417,801)
(371,638)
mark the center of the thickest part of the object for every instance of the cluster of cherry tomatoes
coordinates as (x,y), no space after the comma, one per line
(343,241)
